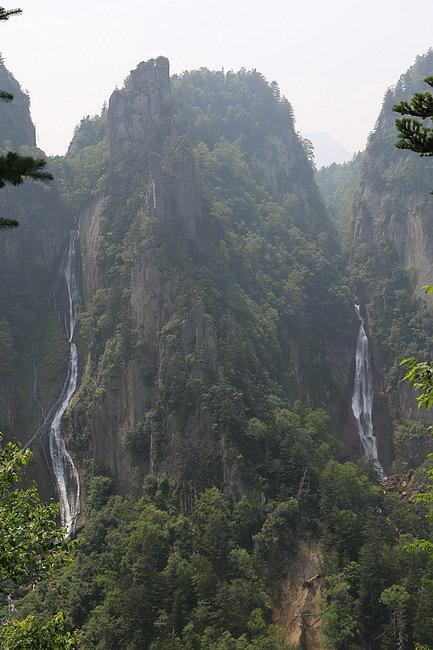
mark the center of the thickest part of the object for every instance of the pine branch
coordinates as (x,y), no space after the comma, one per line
(6,13)
(413,135)
(421,104)
(5,97)
(6,224)
(15,168)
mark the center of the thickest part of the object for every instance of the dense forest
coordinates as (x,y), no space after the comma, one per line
(179,347)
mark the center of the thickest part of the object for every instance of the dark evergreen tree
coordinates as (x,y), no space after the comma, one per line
(6,13)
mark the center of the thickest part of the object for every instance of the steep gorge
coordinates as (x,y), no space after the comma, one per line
(216,362)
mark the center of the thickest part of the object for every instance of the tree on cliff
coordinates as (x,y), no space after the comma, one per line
(14,169)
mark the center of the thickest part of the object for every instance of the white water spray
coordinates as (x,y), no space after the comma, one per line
(362,398)
(65,472)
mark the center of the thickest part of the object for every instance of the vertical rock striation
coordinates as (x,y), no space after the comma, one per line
(142,106)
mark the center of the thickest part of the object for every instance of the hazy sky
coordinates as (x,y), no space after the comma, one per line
(333,60)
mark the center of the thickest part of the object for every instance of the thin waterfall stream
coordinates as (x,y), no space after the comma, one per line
(65,473)
(362,398)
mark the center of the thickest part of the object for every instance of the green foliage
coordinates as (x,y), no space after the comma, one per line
(420,376)
(347,499)
(85,173)
(340,616)
(413,442)
(31,548)
(232,105)
(190,579)
(426,496)
(353,611)
(178,576)
(35,634)
(31,545)
(100,488)
(396,598)
(273,543)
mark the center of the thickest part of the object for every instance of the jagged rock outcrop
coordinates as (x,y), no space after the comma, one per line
(143,105)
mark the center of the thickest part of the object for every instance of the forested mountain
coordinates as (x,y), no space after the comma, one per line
(179,308)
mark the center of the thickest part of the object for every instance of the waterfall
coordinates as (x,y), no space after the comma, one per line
(65,472)
(362,398)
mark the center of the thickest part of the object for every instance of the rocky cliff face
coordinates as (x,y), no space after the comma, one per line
(393,200)
(297,608)
(142,106)
(403,221)
(393,225)
(16,126)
